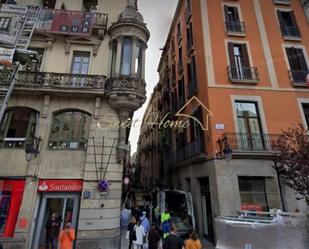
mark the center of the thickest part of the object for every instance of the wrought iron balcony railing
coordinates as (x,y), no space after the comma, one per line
(235,27)
(29,79)
(242,74)
(298,76)
(245,142)
(290,31)
(188,151)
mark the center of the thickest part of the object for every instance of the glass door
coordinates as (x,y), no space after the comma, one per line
(55,212)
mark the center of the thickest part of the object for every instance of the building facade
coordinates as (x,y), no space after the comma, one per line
(236,71)
(66,113)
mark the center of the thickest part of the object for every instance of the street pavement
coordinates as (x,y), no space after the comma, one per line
(125,242)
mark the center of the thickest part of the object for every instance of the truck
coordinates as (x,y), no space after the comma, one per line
(180,206)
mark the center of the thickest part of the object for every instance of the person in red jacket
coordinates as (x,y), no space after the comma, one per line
(67,237)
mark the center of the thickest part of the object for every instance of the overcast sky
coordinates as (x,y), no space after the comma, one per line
(158,15)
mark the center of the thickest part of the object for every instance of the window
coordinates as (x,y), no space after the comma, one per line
(288,24)
(298,65)
(188,10)
(239,69)
(189,38)
(80,66)
(179,32)
(80,62)
(37,66)
(232,21)
(306,113)
(5,23)
(196,133)
(18,125)
(90,5)
(253,193)
(250,136)
(181,94)
(139,59)
(180,63)
(191,71)
(114,56)
(126,56)
(69,130)
(173,73)
(173,48)
(49,4)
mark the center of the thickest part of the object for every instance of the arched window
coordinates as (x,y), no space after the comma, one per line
(69,130)
(17,126)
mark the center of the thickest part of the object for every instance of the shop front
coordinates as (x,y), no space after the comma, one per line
(11,194)
(59,199)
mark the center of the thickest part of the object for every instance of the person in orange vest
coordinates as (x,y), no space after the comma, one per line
(67,237)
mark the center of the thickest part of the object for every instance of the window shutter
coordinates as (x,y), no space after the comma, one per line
(245,56)
(193,72)
(301,59)
(231,54)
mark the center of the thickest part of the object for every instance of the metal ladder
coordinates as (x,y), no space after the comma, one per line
(28,26)
(22,42)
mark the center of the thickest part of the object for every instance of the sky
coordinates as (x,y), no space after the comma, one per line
(158,15)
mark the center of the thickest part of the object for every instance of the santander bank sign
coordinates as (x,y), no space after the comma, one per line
(60,185)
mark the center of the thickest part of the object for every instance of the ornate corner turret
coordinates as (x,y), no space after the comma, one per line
(126,87)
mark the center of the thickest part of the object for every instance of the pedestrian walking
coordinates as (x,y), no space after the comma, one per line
(67,237)
(140,233)
(193,242)
(173,241)
(166,223)
(131,231)
(52,226)
(153,237)
(145,222)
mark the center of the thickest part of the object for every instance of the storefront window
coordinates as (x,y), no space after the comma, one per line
(11,193)
(69,130)
(126,56)
(252,193)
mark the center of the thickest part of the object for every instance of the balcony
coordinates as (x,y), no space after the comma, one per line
(191,150)
(47,81)
(245,142)
(235,28)
(17,143)
(290,32)
(298,77)
(243,74)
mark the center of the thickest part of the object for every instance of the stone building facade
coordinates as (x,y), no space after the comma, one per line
(236,71)
(70,105)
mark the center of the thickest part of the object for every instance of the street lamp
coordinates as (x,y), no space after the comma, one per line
(227,151)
